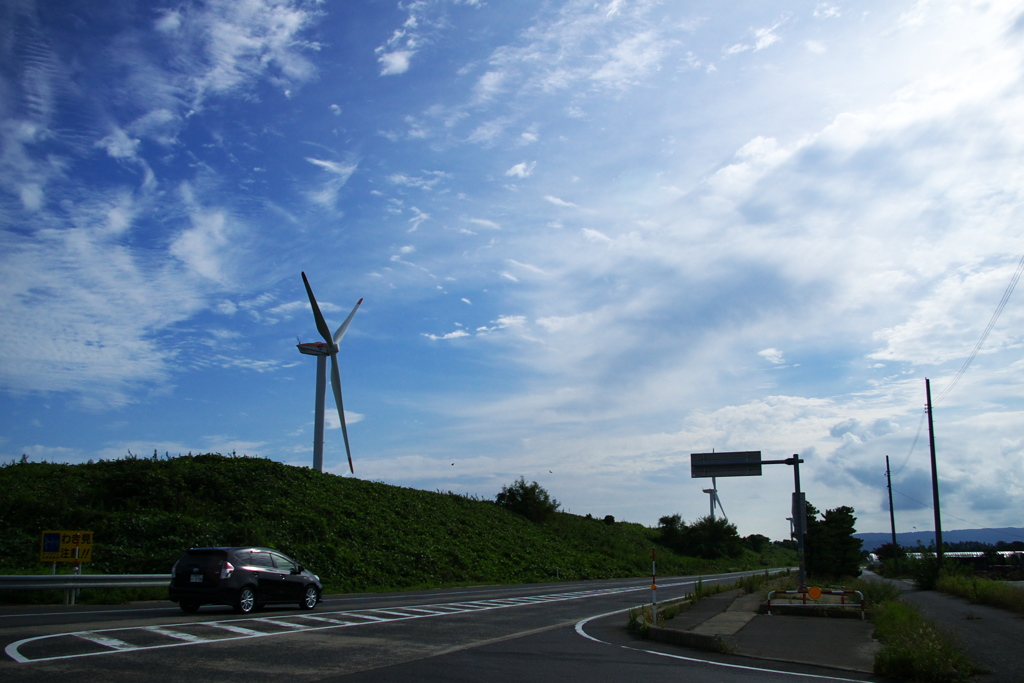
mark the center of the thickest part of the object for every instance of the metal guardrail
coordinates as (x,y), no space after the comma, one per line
(67,581)
(803,592)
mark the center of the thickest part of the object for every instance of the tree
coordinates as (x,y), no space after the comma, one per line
(529,500)
(756,542)
(708,537)
(830,547)
(712,537)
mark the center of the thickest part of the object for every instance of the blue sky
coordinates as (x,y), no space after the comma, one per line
(592,237)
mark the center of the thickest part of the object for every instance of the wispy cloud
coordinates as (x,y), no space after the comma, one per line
(522,170)
(338,175)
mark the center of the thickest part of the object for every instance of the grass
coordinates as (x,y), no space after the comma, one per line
(914,649)
(357,535)
(983,591)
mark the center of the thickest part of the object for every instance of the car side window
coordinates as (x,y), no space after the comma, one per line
(261,560)
(284,563)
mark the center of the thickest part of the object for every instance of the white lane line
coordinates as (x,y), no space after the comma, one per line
(364,616)
(583,622)
(107,641)
(240,630)
(164,631)
(328,620)
(430,610)
(278,622)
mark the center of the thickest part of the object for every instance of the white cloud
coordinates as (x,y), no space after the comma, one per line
(338,175)
(457,334)
(485,223)
(773,356)
(557,201)
(427,181)
(394,63)
(596,236)
(522,169)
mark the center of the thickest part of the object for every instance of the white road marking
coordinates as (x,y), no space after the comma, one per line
(278,622)
(106,641)
(583,622)
(112,644)
(240,630)
(164,631)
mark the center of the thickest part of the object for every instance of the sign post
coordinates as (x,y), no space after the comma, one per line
(66,546)
(654,587)
(748,464)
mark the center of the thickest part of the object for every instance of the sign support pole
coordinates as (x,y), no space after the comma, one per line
(748,464)
(799,520)
(654,587)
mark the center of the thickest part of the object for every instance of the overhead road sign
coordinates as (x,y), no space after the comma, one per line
(736,464)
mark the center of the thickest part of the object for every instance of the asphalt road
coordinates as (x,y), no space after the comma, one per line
(536,632)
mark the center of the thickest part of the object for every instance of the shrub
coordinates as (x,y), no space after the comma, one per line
(529,500)
(983,591)
(914,649)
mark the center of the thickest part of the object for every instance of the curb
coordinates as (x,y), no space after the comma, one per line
(700,641)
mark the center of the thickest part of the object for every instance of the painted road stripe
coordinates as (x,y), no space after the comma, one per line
(240,630)
(107,638)
(278,622)
(328,620)
(164,631)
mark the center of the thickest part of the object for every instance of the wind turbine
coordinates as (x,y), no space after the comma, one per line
(715,500)
(328,347)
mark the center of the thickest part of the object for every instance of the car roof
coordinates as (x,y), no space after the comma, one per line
(223,548)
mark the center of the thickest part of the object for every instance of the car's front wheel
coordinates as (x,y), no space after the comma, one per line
(246,600)
(310,598)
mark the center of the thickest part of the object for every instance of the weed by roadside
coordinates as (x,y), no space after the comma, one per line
(983,591)
(914,649)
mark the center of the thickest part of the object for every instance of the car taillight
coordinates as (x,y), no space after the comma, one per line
(174,570)
(225,570)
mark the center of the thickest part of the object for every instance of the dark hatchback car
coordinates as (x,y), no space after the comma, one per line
(246,578)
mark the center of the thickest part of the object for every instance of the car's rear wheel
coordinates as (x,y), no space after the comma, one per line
(246,600)
(310,598)
(188,606)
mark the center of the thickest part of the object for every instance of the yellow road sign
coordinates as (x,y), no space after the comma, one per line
(66,546)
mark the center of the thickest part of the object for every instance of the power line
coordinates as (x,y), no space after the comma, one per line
(920,424)
(946,514)
(988,328)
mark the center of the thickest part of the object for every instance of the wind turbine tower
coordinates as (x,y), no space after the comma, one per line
(715,500)
(328,347)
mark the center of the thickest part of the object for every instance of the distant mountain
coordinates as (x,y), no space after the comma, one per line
(910,539)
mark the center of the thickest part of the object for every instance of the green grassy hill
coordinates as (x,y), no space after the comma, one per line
(357,535)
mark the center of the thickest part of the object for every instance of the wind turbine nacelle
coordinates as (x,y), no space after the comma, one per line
(315,349)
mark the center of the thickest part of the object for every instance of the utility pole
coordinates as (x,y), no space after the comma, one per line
(892,519)
(935,474)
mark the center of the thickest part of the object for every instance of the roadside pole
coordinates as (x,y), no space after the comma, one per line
(799,517)
(654,586)
(748,464)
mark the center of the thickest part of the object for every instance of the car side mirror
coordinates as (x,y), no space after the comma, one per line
(298,569)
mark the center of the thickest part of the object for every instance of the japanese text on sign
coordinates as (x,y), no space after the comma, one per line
(66,546)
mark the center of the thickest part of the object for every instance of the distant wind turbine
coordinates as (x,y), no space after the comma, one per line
(328,347)
(715,500)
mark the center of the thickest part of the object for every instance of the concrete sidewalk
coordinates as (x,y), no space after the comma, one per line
(729,622)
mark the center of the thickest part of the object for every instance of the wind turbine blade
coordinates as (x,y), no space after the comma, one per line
(344,326)
(321,324)
(719,501)
(336,386)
